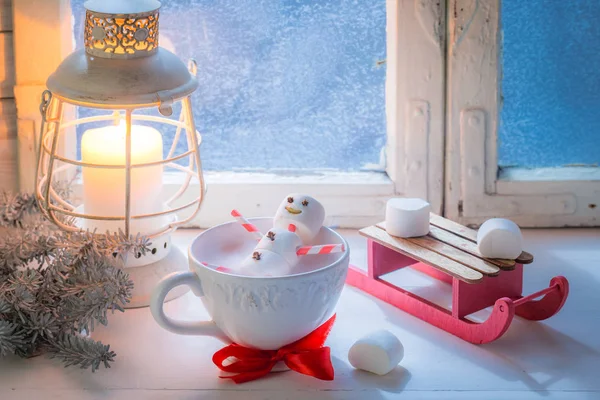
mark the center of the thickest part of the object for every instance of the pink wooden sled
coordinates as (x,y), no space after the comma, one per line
(449,253)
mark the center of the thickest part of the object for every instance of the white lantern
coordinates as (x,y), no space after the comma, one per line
(122,73)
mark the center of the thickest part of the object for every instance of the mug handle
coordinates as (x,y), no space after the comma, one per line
(168,283)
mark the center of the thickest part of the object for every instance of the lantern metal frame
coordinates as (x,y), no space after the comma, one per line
(51,202)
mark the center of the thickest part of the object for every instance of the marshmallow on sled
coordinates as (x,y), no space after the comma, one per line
(303,211)
(500,238)
(265,263)
(282,242)
(407,217)
(379,352)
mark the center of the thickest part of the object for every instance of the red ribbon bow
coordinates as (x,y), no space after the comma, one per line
(307,356)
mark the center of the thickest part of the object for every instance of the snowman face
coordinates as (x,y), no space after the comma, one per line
(295,205)
(303,211)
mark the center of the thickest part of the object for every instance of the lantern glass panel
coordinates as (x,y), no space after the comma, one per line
(99,201)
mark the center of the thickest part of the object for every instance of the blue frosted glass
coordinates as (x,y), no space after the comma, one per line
(290,84)
(551,83)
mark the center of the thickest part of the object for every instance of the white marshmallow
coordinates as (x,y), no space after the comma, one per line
(303,211)
(265,263)
(407,217)
(500,238)
(379,352)
(283,242)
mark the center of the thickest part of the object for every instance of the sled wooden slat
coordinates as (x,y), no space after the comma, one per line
(438,261)
(525,258)
(454,227)
(457,255)
(467,246)
(471,235)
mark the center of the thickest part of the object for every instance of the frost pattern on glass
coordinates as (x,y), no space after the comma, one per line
(551,83)
(291,84)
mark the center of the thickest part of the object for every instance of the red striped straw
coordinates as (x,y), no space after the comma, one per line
(216,267)
(246,224)
(322,249)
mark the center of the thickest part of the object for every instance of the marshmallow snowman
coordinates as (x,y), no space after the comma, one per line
(302,211)
(298,221)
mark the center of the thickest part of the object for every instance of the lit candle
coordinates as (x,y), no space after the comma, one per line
(104,189)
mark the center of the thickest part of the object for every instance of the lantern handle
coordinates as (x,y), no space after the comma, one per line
(165,106)
(46,99)
(165,97)
(44,105)
(193,67)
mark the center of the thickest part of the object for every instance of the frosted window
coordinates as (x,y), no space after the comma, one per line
(291,84)
(551,83)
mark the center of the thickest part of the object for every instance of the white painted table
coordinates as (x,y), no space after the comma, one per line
(558,358)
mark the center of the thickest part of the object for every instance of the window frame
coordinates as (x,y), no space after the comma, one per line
(477,189)
(415,120)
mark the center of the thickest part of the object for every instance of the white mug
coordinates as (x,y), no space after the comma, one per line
(266,313)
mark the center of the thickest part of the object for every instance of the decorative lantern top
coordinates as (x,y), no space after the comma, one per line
(122,65)
(121,29)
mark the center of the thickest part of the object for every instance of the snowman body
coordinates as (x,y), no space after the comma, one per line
(297,222)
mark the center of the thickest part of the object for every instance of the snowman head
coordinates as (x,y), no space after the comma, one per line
(302,211)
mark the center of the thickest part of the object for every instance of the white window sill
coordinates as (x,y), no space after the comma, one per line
(353,199)
(556,358)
